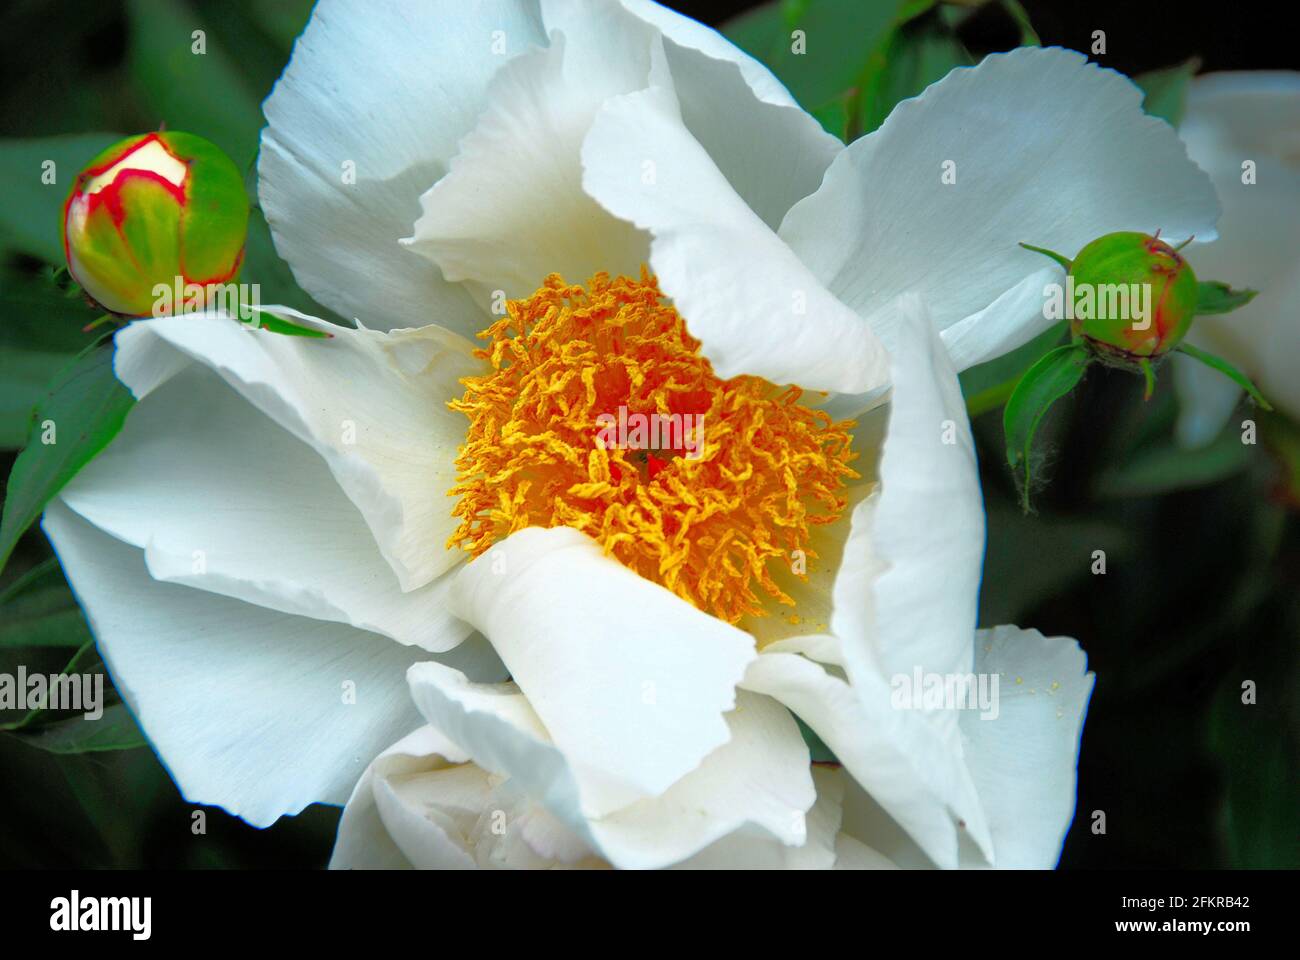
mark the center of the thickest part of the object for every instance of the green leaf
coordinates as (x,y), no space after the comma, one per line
(59,628)
(40,334)
(1215,297)
(835,116)
(1170,466)
(32,210)
(116,729)
(995,397)
(838,36)
(1281,435)
(38,610)
(1062,550)
(36,314)
(85,408)
(910,60)
(1166,90)
(261,33)
(263,266)
(281,21)
(1227,369)
(760,32)
(1256,745)
(1028,35)
(24,375)
(988,386)
(83,660)
(1043,384)
(204,93)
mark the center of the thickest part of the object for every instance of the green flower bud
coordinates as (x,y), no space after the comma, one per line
(152,210)
(1155,282)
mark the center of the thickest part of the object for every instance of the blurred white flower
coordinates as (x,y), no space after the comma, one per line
(1244,130)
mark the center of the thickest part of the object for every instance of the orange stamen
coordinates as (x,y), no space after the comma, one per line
(704,522)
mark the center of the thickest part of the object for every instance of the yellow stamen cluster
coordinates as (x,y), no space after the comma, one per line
(705,525)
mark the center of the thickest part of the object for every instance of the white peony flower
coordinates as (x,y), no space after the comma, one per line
(267,552)
(1244,130)
(493,780)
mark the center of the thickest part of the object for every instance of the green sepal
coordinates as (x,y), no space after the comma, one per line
(1063,260)
(1214,297)
(1047,381)
(1148,376)
(276,324)
(1228,370)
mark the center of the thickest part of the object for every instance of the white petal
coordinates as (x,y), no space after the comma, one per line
(630,680)
(247,707)
(756,308)
(757,789)
(442,800)
(221,498)
(772,156)
(363,841)
(512,209)
(822,647)
(865,822)
(897,755)
(755,850)
(372,405)
(1045,149)
(696,36)
(366,840)
(1024,759)
(853,854)
(904,598)
(1010,321)
(363,121)
(836,789)
(918,546)
(421,804)
(759,777)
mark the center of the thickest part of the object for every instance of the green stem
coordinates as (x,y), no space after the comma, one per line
(991,398)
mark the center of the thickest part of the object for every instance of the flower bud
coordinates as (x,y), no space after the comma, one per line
(1151,278)
(152,210)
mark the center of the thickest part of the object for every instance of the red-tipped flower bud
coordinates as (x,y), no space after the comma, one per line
(1144,296)
(159,209)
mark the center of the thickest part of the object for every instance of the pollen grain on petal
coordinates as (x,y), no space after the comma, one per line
(704,519)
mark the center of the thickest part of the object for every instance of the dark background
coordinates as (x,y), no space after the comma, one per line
(1203,564)
(1141,36)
